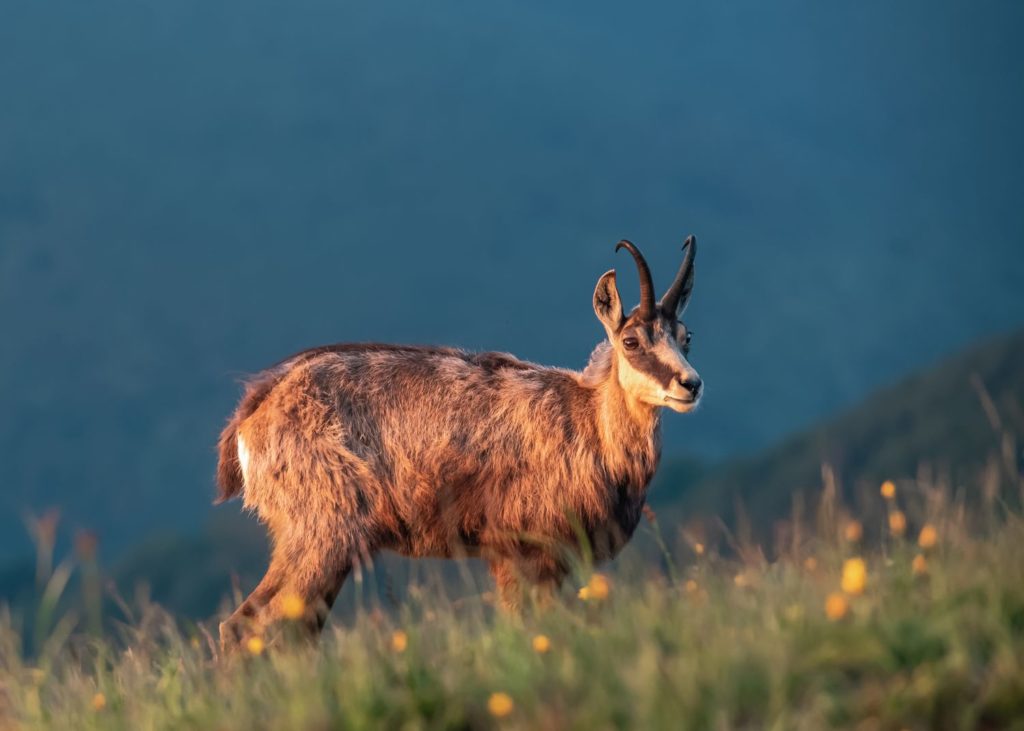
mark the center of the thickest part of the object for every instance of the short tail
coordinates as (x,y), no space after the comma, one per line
(229,471)
(230,481)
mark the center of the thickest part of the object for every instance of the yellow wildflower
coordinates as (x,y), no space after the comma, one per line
(541,644)
(836,606)
(255,645)
(928,537)
(919,565)
(500,705)
(810,563)
(888,490)
(598,588)
(691,586)
(853,531)
(399,640)
(855,576)
(292,606)
(99,702)
(897,523)
(698,548)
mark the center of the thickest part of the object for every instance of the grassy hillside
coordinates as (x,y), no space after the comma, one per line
(926,631)
(951,420)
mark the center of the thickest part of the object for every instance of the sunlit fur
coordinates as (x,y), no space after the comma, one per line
(350,449)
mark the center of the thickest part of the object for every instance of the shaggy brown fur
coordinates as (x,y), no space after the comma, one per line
(350,449)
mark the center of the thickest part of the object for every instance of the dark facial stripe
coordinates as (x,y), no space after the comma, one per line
(646,362)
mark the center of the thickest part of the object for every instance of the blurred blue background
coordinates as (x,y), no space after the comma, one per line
(191,190)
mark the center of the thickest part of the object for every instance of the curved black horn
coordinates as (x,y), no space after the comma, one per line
(670,302)
(646,284)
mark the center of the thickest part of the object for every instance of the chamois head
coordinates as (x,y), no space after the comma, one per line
(651,345)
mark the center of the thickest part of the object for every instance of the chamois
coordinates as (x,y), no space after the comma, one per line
(345,450)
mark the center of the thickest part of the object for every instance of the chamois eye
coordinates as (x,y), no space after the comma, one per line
(688,338)
(631,343)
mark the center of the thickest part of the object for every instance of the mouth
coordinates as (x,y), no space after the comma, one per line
(681,404)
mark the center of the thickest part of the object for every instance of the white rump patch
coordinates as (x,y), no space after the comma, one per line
(243,458)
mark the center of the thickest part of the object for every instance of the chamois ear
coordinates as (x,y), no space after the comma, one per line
(607,304)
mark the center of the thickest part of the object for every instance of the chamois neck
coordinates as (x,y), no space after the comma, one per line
(629,429)
(626,415)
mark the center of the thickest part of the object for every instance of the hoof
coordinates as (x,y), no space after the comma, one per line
(231,635)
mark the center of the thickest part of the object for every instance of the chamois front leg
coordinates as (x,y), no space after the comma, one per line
(537,577)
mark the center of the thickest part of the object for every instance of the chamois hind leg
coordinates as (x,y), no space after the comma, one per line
(307,570)
(236,627)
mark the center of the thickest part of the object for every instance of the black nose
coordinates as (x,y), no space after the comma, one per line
(692,384)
